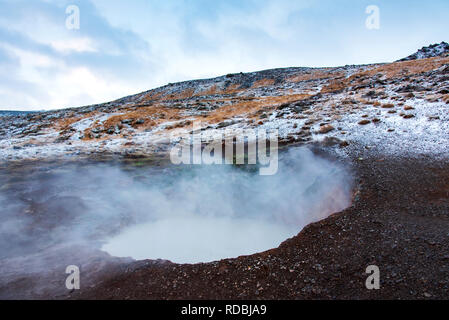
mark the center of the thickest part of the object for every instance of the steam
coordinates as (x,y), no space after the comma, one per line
(211,213)
(185,214)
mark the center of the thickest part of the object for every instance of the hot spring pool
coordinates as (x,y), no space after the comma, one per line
(204,214)
(182,214)
(198,239)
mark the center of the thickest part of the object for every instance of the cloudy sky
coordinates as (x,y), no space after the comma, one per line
(124,47)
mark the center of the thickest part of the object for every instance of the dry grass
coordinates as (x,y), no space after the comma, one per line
(186,94)
(153,95)
(152,116)
(446,98)
(335,86)
(65,123)
(251,107)
(233,88)
(404,68)
(433,97)
(315,75)
(263,83)
(392,70)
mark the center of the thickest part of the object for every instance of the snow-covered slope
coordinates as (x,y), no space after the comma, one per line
(397,107)
(434,50)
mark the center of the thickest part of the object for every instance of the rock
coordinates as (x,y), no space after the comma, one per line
(325,129)
(371,94)
(434,50)
(127,121)
(444,69)
(364,122)
(228,123)
(408,116)
(330,141)
(62,138)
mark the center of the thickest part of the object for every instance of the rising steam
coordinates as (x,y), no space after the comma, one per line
(183,214)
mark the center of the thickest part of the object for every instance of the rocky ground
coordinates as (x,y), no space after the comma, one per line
(388,122)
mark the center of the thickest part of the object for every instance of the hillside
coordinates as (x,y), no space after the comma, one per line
(434,50)
(348,103)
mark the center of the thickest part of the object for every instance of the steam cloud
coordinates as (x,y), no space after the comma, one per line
(183,214)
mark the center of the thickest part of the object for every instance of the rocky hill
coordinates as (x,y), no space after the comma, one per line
(401,104)
(434,50)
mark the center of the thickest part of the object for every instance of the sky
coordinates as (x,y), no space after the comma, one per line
(48,61)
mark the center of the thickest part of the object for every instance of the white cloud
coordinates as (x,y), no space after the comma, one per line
(76,45)
(61,85)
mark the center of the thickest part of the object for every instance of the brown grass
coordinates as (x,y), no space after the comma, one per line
(335,85)
(233,88)
(391,70)
(263,83)
(446,98)
(152,116)
(186,94)
(153,95)
(65,123)
(315,75)
(251,107)
(403,68)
